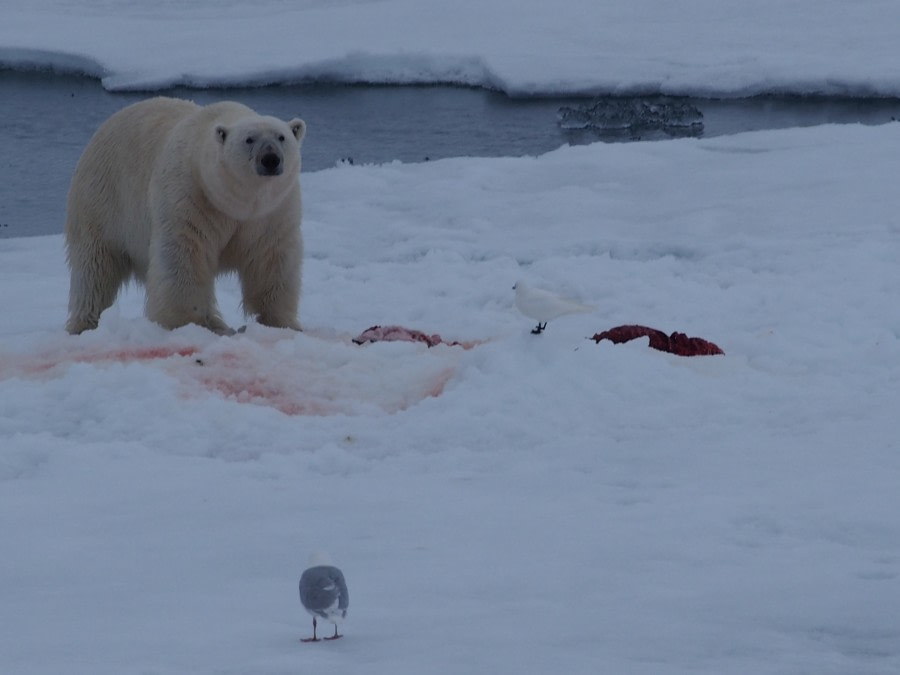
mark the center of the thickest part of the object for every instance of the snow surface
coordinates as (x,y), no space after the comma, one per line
(528,47)
(533,504)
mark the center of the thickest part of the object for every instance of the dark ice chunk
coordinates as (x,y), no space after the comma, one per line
(632,114)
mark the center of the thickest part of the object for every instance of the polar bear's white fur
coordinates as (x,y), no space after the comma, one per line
(172,194)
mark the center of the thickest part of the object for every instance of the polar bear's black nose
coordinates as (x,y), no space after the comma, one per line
(269,165)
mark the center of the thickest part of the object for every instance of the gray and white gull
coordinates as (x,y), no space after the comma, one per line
(323,592)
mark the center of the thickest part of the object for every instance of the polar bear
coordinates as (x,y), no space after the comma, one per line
(172,193)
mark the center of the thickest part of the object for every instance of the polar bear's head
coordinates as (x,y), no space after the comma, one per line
(251,164)
(264,145)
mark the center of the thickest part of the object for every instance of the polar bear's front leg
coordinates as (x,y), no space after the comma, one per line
(270,283)
(181,284)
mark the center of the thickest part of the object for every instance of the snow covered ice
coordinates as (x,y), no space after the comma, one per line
(698,47)
(529,505)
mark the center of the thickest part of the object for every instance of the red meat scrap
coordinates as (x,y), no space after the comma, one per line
(401,334)
(676,343)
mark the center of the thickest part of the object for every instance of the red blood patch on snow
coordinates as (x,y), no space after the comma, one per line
(149,353)
(440,381)
(253,372)
(47,362)
(262,392)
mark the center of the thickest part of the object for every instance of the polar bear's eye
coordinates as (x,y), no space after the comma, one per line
(249,140)
(281,138)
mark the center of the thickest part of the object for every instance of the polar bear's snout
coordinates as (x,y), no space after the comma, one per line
(269,161)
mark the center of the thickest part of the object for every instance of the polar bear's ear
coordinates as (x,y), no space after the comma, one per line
(221,133)
(298,127)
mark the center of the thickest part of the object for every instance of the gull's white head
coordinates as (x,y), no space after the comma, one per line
(318,558)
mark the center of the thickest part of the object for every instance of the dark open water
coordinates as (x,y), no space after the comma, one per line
(46,120)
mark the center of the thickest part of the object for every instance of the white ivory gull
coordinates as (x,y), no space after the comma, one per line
(542,306)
